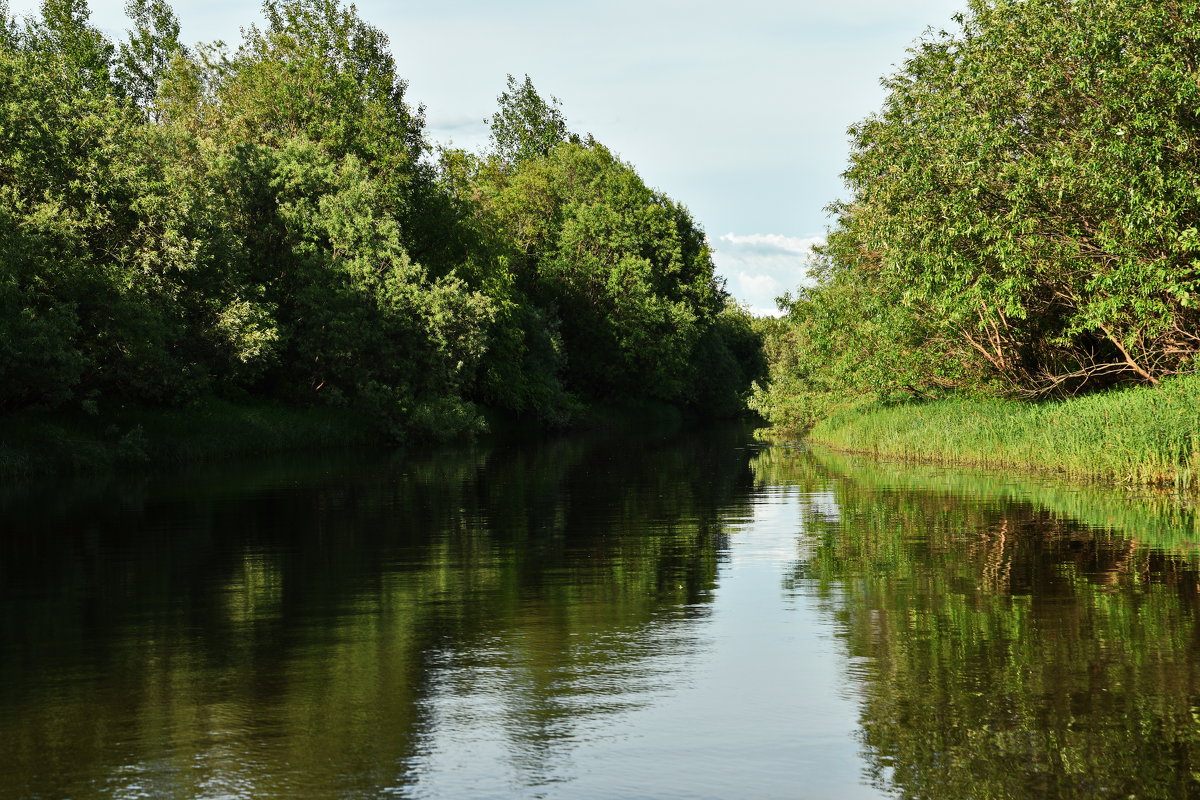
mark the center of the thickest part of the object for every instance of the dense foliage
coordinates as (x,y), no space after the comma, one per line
(271,222)
(1023,215)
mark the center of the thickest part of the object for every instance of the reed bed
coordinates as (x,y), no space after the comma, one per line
(1143,435)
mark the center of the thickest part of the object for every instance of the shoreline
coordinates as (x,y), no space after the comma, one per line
(40,444)
(49,443)
(1136,436)
(1162,516)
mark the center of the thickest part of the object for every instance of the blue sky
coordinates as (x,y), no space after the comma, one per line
(739,110)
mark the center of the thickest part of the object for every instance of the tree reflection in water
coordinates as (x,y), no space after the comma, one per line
(476,621)
(307,629)
(1001,647)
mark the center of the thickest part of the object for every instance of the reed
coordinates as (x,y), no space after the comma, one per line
(1143,435)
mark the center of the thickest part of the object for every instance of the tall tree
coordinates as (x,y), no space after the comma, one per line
(8,32)
(68,44)
(1030,186)
(143,59)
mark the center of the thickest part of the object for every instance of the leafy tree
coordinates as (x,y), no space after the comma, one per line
(850,337)
(1022,218)
(1029,184)
(143,60)
(605,288)
(82,312)
(727,362)
(8,28)
(177,222)
(320,71)
(526,126)
(323,164)
(624,268)
(362,314)
(64,42)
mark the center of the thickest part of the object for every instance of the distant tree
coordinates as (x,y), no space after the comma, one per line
(624,269)
(82,310)
(1022,219)
(8,27)
(317,69)
(180,222)
(325,160)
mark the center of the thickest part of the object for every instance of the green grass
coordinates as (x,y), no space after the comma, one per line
(1145,435)
(38,443)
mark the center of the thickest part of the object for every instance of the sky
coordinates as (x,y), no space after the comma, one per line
(738,110)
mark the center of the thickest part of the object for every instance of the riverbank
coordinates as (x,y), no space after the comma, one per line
(56,442)
(44,443)
(1144,435)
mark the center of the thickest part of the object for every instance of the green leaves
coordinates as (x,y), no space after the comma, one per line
(177,222)
(526,126)
(1027,190)
(144,59)
(624,270)
(65,43)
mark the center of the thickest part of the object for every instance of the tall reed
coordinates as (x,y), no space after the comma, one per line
(1145,435)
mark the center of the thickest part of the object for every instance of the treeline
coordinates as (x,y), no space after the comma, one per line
(271,222)
(1022,219)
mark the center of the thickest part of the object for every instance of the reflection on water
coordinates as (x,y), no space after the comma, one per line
(335,628)
(1002,647)
(673,616)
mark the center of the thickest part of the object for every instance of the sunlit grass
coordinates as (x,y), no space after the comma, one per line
(1141,435)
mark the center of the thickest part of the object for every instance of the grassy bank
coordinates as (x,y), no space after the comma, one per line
(1140,435)
(39,443)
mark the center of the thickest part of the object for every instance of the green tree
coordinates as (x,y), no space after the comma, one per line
(849,337)
(526,126)
(324,166)
(605,287)
(63,41)
(624,269)
(143,59)
(1028,185)
(83,312)
(8,27)
(179,222)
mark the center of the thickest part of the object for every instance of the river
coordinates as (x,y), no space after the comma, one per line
(683,615)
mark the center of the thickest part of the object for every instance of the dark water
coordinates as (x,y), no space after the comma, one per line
(683,616)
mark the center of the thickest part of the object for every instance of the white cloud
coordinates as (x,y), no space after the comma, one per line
(758,284)
(773,242)
(758,267)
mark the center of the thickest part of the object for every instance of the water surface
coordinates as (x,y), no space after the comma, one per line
(692,615)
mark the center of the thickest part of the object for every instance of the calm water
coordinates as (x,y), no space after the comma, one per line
(684,616)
